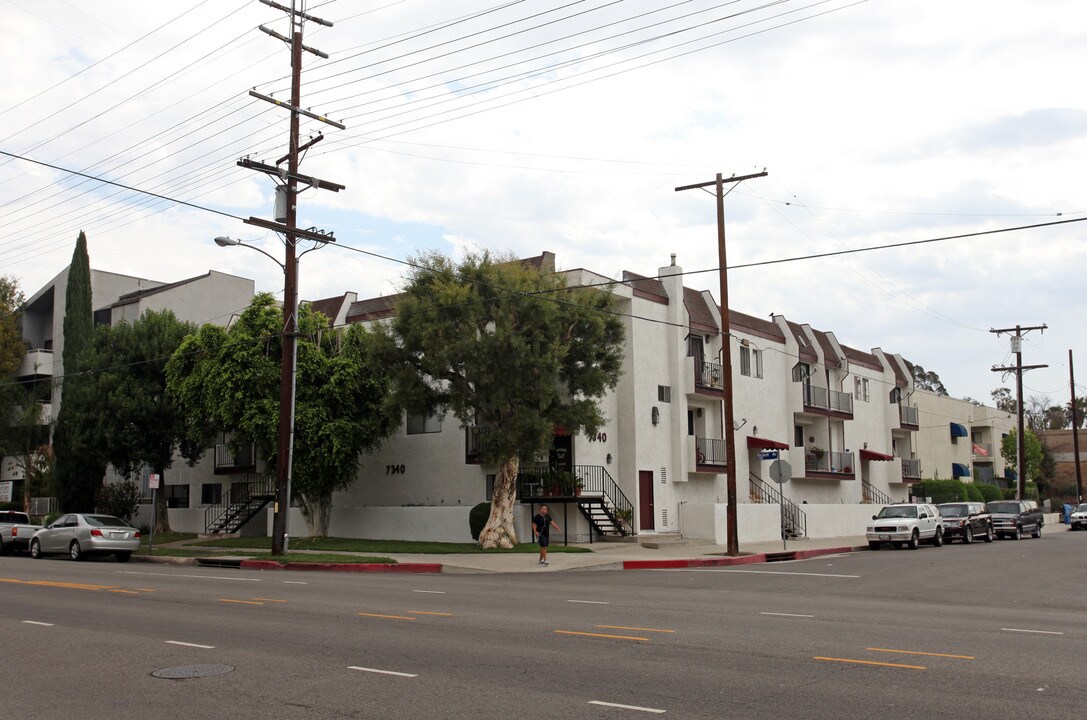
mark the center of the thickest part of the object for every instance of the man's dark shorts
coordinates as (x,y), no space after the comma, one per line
(543,540)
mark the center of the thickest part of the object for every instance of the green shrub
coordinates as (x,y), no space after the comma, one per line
(477,518)
(120,499)
(989,491)
(1032,491)
(1008,493)
(11,506)
(973,492)
(941,491)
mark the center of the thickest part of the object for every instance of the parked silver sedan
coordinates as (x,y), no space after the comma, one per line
(80,535)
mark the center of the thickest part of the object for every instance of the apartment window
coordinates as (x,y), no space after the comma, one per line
(420,424)
(664,393)
(102,317)
(745,361)
(798,436)
(211,493)
(756,358)
(177,496)
(860,389)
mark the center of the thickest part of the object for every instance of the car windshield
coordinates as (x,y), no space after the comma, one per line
(1004,507)
(953,510)
(898,511)
(105,521)
(1082,507)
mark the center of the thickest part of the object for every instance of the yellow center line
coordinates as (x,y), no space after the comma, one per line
(241,602)
(424,612)
(916,652)
(145,589)
(51,583)
(269,600)
(601,635)
(870,662)
(126,592)
(391,617)
(624,627)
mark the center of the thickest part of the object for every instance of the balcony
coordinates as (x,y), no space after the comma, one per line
(475,439)
(828,402)
(709,454)
(829,465)
(908,417)
(708,377)
(227,461)
(911,470)
(983,451)
(36,363)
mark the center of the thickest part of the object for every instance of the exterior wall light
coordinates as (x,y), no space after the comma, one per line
(656,415)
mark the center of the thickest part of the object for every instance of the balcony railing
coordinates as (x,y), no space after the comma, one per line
(710,451)
(908,415)
(708,375)
(824,399)
(983,450)
(226,460)
(829,462)
(36,363)
(475,439)
(911,469)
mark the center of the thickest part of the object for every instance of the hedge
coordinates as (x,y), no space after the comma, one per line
(477,518)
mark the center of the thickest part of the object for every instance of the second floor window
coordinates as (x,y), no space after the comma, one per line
(750,362)
(860,389)
(420,424)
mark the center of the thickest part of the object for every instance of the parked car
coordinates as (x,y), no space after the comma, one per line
(15,531)
(965,521)
(907,524)
(80,535)
(1012,518)
(1078,518)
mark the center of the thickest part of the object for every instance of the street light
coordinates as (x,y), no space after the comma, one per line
(287,376)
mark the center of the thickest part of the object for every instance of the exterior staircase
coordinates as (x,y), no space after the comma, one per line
(238,505)
(796,521)
(596,494)
(873,495)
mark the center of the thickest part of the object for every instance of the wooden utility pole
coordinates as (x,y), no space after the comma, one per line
(1019,369)
(289,192)
(733,546)
(1075,428)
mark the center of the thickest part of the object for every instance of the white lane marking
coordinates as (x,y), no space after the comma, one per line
(203,577)
(294,582)
(656,711)
(786,614)
(185,644)
(380,672)
(1039,632)
(589,602)
(431,592)
(767,572)
(35,622)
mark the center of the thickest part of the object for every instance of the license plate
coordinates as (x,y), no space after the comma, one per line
(118,534)
(884,537)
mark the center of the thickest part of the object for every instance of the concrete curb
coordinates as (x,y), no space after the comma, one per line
(729,561)
(343,567)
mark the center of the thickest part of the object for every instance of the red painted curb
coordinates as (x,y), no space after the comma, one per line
(344,567)
(805,554)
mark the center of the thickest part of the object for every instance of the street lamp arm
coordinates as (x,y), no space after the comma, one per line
(224,241)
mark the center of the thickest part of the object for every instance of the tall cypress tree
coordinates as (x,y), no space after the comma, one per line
(79,468)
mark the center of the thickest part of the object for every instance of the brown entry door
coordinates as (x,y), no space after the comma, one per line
(646,512)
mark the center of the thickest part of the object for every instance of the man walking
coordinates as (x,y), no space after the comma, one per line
(541,525)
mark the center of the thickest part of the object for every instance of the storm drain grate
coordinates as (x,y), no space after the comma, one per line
(188,672)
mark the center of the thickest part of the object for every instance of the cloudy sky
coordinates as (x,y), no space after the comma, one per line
(565,125)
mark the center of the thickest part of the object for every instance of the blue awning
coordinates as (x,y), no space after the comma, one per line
(958,430)
(1010,474)
(960,470)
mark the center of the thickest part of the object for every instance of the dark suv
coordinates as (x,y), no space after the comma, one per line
(965,521)
(1012,518)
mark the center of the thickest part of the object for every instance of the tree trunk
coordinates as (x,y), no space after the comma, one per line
(318,513)
(162,513)
(499,531)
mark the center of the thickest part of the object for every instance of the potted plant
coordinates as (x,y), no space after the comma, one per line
(625,515)
(818,452)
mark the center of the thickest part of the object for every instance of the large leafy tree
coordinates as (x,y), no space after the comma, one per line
(80,465)
(509,348)
(1032,447)
(228,380)
(137,421)
(926,379)
(12,346)
(1002,396)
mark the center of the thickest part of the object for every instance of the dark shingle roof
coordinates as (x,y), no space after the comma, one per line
(373,309)
(700,314)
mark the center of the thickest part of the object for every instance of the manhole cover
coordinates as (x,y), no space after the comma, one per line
(186,672)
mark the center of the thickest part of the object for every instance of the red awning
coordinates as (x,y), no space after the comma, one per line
(758,443)
(873,455)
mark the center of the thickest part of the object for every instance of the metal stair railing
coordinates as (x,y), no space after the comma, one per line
(597,488)
(872,495)
(796,520)
(250,497)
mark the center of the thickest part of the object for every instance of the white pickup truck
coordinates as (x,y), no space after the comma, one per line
(15,531)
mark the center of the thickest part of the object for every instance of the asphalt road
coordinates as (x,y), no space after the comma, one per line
(989,630)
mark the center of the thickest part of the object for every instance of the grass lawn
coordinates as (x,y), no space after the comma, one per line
(163,538)
(378,546)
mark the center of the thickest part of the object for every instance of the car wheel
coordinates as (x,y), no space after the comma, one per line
(967,535)
(1037,531)
(122,556)
(938,538)
(1018,534)
(873,545)
(35,549)
(989,534)
(915,540)
(75,551)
